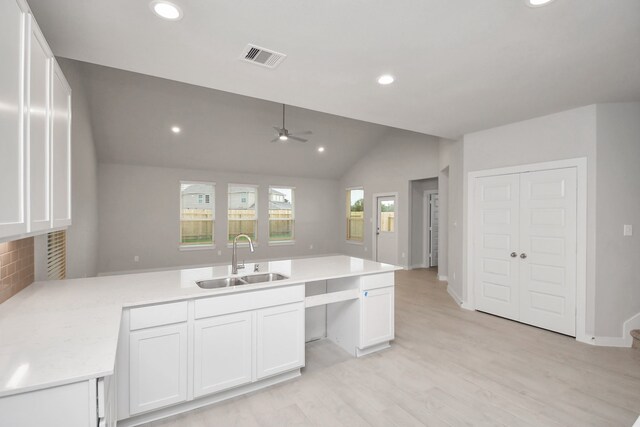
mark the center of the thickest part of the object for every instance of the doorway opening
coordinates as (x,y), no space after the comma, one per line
(425,223)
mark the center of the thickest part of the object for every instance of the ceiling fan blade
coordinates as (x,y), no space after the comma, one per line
(304,132)
(277,129)
(276,139)
(295,138)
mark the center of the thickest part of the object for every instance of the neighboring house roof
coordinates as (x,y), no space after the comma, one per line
(279,205)
(197,189)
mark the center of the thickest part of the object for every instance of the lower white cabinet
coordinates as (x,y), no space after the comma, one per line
(158,367)
(83,404)
(376,316)
(222,353)
(279,339)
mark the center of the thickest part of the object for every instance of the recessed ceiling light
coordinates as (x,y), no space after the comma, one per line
(175,129)
(538,3)
(386,79)
(320,149)
(166,10)
(283,137)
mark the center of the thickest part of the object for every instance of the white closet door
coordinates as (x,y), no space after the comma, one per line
(433,229)
(548,241)
(497,221)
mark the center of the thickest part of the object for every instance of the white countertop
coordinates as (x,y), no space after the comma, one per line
(59,332)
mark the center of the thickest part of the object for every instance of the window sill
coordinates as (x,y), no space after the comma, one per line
(244,244)
(188,248)
(282,243)
(354,242)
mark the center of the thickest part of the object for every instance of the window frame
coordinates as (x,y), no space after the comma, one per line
(348,215)
(291,241)
(257,215)
(203,246)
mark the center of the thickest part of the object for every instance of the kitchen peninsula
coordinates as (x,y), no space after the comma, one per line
(138,347)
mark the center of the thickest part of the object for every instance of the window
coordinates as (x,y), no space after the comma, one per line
(355,214)
(196,213)
(57,255)
(281,214)
(243,211)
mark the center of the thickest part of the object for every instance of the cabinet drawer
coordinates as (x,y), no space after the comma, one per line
(376,281)
(157,315)
(226,304)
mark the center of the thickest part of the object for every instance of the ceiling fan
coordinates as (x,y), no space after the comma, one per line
(283,134)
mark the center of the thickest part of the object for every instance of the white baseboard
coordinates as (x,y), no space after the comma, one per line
(455,296)
(625,340)
(423,265)
(443,278)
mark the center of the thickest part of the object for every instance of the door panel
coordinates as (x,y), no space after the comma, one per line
(222,357)
(38,132)
(279,339)
(12,212)
(61,150)
(376,316)
(496,238)
(158,367)
(433,229)
(386,234)
(548,238)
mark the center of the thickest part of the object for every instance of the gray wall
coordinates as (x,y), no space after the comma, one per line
(82,235)
(451,195)
(400,157)
(564,135)
(418,253)
(139,215)
(618,203)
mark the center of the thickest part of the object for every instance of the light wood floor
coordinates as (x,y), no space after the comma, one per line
(447,366)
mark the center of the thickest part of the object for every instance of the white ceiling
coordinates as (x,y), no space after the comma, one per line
(132,115)
(461,65)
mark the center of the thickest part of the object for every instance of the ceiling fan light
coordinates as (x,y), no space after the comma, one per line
(283,137)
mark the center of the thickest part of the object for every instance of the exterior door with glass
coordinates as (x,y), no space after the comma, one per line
(386,233)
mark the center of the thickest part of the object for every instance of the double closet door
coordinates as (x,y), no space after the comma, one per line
(525,247)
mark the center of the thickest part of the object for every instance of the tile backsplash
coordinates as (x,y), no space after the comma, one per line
(16,267)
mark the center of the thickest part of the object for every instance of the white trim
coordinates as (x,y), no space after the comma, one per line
(281,242)
(426,216)
(374,225)
(413,266)
(626,340)
(581,225)
(454,295)
(443,278)
(187,248)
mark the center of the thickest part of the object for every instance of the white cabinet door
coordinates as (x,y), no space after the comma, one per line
(38,108)
(223,353)
(158,367)
(60,149)
(12,148)
(496,245)
(376,316)
(548,209)
(279,339)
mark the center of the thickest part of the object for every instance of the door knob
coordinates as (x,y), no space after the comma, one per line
(523,255)
(513,254)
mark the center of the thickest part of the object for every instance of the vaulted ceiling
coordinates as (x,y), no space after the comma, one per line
(132,115)
(461,65)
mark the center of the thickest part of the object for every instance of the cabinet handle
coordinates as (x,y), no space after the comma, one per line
(523,255)
(513,254)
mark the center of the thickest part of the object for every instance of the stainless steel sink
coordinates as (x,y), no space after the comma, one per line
(226,282)
(264,277)
(221,283)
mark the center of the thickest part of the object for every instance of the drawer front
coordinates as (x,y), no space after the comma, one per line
(226,304)
(157,315)
(375,281)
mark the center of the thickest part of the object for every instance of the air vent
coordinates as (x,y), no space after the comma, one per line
(261,56)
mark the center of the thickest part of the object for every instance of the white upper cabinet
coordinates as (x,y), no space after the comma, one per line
(35,132)
(38,119)
(12,149)
(60,149)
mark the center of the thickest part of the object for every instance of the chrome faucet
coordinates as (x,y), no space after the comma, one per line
(234,256)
